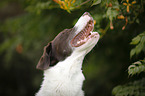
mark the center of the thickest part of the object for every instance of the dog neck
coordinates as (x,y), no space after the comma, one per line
(74,60)
(65,77)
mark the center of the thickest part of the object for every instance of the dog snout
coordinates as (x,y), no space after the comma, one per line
(87,13)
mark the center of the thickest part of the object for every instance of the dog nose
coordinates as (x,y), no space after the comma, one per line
(87,13)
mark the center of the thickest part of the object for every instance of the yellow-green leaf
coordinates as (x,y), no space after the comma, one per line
(95,2)
(135,40)
(132,52)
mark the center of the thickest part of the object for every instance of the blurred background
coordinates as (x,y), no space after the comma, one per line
(115,66)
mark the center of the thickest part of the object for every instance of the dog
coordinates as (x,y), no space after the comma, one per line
(63,57)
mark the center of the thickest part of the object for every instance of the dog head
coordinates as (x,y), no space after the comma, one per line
(80,38)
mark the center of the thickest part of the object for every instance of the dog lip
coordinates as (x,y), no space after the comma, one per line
(85,34)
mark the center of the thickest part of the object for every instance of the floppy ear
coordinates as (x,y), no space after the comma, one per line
(45,59)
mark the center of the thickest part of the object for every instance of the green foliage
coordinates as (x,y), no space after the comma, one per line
(95,2)
(137,67)
(112,12)
(139,41)
(68,5)
(136,88)
(26,31)
(39,6)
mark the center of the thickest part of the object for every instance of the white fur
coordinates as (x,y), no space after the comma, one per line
(82,22)
(66,77)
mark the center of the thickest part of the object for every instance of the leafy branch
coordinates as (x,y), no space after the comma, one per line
(139,41)
(137,67)
(136,88)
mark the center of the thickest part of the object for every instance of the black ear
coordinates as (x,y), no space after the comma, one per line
(45,60)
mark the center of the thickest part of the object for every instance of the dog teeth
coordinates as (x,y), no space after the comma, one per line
(90,25)
(78,42)
(85,38)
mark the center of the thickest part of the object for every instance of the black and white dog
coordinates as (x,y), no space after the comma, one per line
(63,57)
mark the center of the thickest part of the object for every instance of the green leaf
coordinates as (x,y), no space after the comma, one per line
(136,67)
(95,2)
(132,52)
(139,48)
(111,13)
(116,90)
(135,40)
(139,41)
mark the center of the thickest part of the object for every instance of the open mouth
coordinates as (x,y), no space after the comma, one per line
(84,35)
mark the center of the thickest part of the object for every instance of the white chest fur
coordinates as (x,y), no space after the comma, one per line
(65,78)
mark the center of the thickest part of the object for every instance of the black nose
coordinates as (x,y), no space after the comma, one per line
(87,13)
